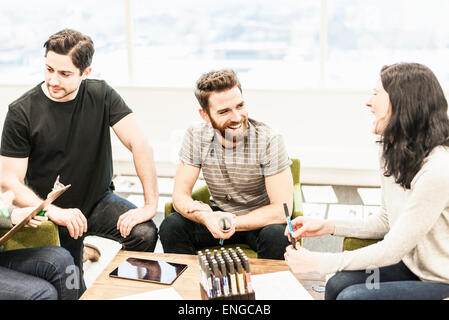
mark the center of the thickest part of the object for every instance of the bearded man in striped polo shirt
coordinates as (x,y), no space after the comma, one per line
(247,170)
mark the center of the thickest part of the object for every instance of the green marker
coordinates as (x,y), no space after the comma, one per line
(224,228)
(5,212)
(41,214)
(227,225)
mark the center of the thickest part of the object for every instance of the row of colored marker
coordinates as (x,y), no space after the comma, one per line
(225,273)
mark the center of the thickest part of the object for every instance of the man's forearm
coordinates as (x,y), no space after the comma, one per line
(24,196)
(261,217)
(146,171)
(183,204)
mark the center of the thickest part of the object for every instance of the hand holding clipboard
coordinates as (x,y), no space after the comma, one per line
(58,189)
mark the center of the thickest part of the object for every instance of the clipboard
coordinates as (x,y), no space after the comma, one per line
(58,189)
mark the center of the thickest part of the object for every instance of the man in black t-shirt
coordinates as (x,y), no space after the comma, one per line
(62,127)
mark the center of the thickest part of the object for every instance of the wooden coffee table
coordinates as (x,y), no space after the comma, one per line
(187,285)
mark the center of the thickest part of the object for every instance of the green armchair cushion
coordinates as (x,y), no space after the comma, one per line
(350,244)
(46,234)
(203,194)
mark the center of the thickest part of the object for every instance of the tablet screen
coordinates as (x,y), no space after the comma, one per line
(149,270)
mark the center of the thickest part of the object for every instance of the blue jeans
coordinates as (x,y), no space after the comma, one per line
(102,221)
(395,282)
(38,273)
(181,235)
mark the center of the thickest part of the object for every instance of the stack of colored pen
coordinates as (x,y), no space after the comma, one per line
(225,274)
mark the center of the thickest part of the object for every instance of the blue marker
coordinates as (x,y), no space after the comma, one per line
(289,222)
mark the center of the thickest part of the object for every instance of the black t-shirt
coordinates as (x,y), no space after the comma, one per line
(70,139)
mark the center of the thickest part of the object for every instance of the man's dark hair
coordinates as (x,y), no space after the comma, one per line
(419,121)
(215,81)
(78,46)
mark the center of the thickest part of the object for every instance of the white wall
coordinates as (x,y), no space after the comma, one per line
(329,130)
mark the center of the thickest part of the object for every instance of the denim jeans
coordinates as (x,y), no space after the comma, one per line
(38,273)
(102,222)
(395,282)
(181,235)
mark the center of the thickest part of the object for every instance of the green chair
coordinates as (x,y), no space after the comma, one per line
(46,234)
(350,244)
(203,194)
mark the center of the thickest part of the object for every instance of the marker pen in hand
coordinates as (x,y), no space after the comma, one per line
(225,223)
(289,222)
(222,224)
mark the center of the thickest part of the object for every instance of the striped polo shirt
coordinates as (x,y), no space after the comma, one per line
(236,175)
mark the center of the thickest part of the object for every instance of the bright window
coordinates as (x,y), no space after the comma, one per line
(364,35)
(283,44)
(26,25)
(270,44)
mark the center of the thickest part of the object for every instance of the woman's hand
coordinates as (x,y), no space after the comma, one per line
(310,227)
(301,260)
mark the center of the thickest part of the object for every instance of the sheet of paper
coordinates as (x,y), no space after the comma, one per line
(162,294)
(370,196)
(279,286)
(343,211)
(319,194)
(315,210)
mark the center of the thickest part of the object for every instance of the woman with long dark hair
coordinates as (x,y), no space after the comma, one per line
(411,261)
